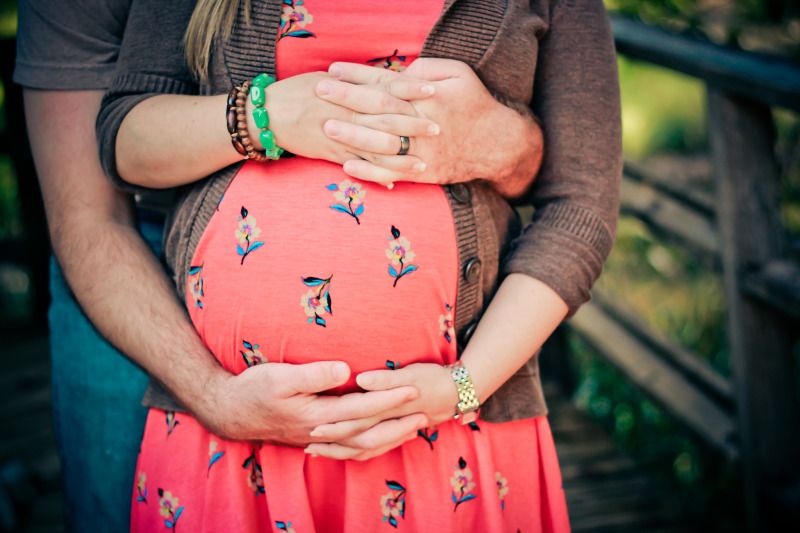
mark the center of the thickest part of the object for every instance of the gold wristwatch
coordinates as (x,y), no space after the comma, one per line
(468,405)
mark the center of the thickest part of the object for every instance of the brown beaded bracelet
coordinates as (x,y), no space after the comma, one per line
(230,119)
(241,124)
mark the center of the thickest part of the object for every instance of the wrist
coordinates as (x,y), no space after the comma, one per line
(211,407)
(467,405)
(511,164)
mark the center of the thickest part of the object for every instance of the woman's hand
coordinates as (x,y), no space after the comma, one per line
(368,437)
(479,138)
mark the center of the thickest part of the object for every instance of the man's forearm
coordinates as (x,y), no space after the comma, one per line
(113,274)
(127,296)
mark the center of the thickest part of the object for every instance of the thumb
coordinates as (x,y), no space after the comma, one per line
(311,378)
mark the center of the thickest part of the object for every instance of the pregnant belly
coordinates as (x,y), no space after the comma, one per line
(301,264)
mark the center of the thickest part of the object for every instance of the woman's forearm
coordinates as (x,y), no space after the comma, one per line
(522,315)
(520,318)
(171,140)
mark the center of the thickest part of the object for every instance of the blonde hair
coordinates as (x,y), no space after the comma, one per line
(210,18)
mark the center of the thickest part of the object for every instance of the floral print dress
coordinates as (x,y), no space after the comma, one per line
(301,263)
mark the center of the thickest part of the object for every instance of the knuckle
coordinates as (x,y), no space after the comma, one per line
(386,101)
(365,442)
(342,90)
(384,122)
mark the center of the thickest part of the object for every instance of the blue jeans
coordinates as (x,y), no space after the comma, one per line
(96,410)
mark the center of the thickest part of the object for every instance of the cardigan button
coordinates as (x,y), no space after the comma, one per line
(466,334)
(472,270)
(460,193)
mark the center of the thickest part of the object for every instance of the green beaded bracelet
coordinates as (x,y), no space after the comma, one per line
(258,96)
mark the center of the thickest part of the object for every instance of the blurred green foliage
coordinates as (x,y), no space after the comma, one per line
(661,111)
(8,18)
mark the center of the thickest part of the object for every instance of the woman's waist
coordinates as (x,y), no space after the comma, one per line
(364,343)
(306,183)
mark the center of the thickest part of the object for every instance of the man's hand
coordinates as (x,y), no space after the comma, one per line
(368,437)
(280,403)
(480,138)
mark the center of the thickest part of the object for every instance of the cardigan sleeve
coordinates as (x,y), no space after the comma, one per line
(150,63)
(576,195)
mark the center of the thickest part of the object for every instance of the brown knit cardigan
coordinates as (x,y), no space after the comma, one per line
(556,56)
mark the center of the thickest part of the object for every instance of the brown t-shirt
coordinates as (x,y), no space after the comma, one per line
(68,45)
(64,45)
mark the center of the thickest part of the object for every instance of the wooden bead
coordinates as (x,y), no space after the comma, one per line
(231,122)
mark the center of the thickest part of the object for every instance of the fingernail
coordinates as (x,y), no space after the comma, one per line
(420,167)
(390,186)
(332,128)
(324,88)
(310,452)
(363,381)
(316,432)
(434,129)
(427,89)
(335,71)
(340,371)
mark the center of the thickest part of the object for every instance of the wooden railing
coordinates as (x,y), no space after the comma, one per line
(753,417)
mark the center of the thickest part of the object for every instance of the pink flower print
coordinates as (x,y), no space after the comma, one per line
(393,62)
(251,354)
(350,197)
(172,422)
(255,477)
(247,232)
(196,281)
(294,18)
(400,256)
(213,455)
(169,509)
(316,302)
(502,488)
(462,484)
(141,488)
(446,323)
(393,503)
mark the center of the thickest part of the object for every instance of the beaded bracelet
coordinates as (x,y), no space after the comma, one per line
(241,124)
(230,120)
(258,97)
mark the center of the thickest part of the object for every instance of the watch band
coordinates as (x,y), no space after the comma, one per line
(468,405)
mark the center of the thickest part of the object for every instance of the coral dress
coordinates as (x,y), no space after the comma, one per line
(302,264)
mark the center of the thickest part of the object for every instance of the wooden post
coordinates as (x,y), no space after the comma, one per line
(747,178)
